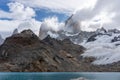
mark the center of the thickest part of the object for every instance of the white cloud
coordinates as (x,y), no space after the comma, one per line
(4,14)
(6,25)
(19,15)
(90,13)
(30,24)
(63,6)
(17,11)
(105,13)
(50,25)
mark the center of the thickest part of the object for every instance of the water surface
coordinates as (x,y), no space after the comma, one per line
(59,76)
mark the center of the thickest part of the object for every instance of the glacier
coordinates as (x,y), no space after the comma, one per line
(104,49)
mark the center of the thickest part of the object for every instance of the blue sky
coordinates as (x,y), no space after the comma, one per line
(3,5)
(40,13)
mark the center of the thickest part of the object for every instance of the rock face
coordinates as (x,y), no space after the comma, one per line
(43,31)
(25,52)
(72,26)
(15,31)
(76,38)
(101,32)
(116,38)
(1,40)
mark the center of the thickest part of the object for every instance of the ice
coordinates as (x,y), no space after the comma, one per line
(103,50)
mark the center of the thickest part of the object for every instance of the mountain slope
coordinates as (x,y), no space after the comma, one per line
(104,46)
(25,52)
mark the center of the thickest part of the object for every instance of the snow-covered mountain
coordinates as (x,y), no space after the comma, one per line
(70,29)
(101,44)
(104,46)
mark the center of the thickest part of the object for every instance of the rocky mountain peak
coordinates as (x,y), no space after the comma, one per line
(72,26)
(15,31)
(26,37)
(101,30)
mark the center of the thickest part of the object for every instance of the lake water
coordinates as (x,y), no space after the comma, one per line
(59,76)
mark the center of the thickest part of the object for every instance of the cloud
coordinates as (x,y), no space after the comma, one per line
(105,13)
(17,11)
(18,16)
(61,6)
(30,24)
(6,25)
(50,25)
(92,13)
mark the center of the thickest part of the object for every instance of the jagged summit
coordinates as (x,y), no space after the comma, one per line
(15,31)
(26,37)
(101,30)
(72,26)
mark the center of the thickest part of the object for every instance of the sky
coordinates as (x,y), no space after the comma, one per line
(91,13)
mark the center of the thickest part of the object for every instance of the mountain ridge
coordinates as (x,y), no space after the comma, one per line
(25,52)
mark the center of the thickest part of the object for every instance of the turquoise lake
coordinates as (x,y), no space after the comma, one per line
(59,76)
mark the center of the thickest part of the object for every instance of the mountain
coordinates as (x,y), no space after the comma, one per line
(75,38)
(25,52)
(71,29)
(1,40)
(104,47)
(15,31)
(74,32)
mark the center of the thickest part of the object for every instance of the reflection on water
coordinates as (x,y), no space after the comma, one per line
(81,78)
(60,76)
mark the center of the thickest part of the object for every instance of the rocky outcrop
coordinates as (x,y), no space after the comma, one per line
(114,31)
(77,38)
(116,38)
(25,52)
(101,30)
(15,31)
(1,40)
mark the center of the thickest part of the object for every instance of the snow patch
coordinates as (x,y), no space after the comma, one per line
(105,51)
